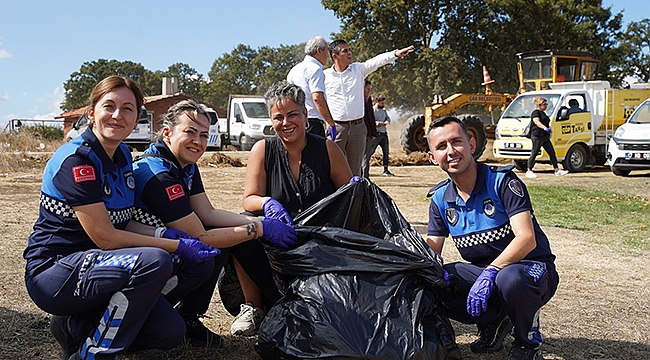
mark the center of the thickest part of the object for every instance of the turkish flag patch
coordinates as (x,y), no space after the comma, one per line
(175,191)
(83,173)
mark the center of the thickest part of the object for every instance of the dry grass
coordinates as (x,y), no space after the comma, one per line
(600,311)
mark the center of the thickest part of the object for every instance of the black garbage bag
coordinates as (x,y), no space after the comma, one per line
(360,284)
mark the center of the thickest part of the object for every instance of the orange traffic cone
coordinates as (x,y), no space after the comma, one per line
(486,77)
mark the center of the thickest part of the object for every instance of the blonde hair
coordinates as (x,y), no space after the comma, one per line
(538,100)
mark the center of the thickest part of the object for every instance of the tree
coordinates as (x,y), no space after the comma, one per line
(81,83)
(455,38)
(248,72)
(189,80)
(635,45)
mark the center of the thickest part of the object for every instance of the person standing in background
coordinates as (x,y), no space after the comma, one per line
(381,120)
(310,77)
(344,91)
(371,129)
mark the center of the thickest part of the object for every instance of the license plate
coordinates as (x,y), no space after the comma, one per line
(512,145)
(637,156)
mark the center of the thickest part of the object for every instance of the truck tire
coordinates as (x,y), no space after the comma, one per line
(245,143)
(476,130)
(412,136)
(521,165)
(619,172)
(575,159)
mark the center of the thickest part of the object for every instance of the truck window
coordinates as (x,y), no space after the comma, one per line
(256,110)
(238,113)
(588,70)
(641,115)
(523,106)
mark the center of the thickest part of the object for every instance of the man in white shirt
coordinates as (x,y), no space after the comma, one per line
(344,83)
(309,76)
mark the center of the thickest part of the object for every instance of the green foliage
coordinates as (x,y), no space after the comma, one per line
(45,132)
(635,44)
(189,80)
(595,211)
(454,39)
(248,72)
(81,83)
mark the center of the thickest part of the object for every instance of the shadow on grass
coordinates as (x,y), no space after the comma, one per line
(568,348)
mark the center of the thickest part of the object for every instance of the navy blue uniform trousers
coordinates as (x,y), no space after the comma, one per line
(520,290)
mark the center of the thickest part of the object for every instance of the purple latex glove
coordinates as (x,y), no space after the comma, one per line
(480,292)
(194,250)
(547,129)
(445,275)
(172,233)
(274,210)
(333,132)
(279,233)
(355,179)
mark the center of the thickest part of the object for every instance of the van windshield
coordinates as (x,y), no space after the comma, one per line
(641,115)
(523,106)
(256,110)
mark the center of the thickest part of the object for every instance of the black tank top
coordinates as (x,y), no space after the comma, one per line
(314,182)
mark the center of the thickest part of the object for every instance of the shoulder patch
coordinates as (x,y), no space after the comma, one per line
(175,191)
(83,173)
(515,186)
(440,184)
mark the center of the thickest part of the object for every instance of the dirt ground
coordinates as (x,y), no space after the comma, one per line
(600,311)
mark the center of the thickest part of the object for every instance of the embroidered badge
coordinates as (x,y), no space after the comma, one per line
(83,173)
(515,186)
(452,216)
(106,187)
(130,180)
(488,207)
(175,191)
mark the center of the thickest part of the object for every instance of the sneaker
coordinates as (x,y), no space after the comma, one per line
(561,172)
(530,174)
(248,320)
(520,352)
(491,337)
(201,336)
(60,329)
(388,173)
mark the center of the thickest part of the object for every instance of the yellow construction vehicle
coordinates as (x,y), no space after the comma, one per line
(535,71)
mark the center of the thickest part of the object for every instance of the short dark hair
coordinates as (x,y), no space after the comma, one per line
(335,47)
(380,98)
(440,122)
(366,82)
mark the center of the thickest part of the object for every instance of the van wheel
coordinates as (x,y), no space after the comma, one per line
(575,159)
(619,172)
(245,143)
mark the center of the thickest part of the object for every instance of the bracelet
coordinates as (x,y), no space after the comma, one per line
(496,267)
(159,231)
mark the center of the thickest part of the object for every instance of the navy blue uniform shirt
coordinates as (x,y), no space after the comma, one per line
(80,173)
(480,227)
(163,188)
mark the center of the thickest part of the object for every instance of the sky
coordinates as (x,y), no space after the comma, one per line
(42,42)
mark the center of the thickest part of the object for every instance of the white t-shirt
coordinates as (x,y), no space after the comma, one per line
(308,74)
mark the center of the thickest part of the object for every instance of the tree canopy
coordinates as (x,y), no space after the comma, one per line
(454,39)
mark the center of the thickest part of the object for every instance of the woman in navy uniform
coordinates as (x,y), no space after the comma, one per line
(170,192)
(103,281)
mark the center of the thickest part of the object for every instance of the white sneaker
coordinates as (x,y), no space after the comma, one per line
(561,172)
(530,174)
(248,320)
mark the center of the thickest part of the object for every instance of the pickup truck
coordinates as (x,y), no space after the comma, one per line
(247,122)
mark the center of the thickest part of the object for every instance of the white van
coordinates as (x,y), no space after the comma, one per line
(214,141)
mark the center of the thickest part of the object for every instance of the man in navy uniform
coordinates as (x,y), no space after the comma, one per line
(487,212)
